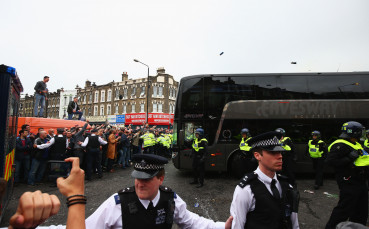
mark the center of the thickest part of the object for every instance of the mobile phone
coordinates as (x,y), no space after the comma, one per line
(59,169)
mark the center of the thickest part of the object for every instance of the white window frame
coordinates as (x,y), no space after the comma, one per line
(160,108)
(96,96)
(109,96)
(102,110)
(133,108)
(102,96)
(154,91)
(108,109)
(142,108)
(124,109)
(96,110)
(160,94)
(116,109)
(154,108)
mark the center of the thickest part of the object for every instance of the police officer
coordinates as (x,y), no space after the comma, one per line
(148,204)
(92,144)
(162,145)
(317,150)
(245,137)
(58,146)
(148,142)
(366,142)
(263,199)
(288,156)
(199,152)
(351,171)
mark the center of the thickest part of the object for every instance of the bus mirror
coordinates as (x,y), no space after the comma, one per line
(181,138)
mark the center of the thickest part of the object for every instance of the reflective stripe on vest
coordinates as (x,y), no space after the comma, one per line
(362,160)
(196,142)
(314,149)
(286,147)
(244,146)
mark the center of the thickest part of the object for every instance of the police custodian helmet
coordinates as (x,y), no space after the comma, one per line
(245,131)
(315,133)
(200,131)
(352,129)
(282,131)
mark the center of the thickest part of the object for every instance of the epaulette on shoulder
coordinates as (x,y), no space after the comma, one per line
(127,190)
(284,179)
(247,179)
(165,189)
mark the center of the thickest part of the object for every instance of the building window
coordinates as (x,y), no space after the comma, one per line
(143,89)
(95,111)
(154,91)
(102,96)
(108,110)
(160,108)
(133,108)
(142,107)
(125,92)
(117,93)
(133,91)
(89,111)
(96,97)
(170,108)
(160,91)
(84,98)
(109,95)
(102,112)
(90,98)
(154,107)
(65,100)
(116,108)
(124,109)
(70,98)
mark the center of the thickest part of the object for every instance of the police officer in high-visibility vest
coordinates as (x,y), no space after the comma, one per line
(199,152)
(317,150)
(288,156)
(162,145)
(148,142)
(351,163)
(366,142)
(245,137)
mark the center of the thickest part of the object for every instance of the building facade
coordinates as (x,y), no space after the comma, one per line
(51,109)
(129,96)
(65,97)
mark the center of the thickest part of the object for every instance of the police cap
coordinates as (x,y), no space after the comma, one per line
(147,165)
(267,141)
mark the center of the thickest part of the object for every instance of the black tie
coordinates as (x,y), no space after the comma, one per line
(275,190)
(151,206)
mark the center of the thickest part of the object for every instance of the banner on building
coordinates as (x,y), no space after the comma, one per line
(135,118)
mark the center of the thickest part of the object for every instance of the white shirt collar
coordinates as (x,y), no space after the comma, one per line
(93,134)
(155,201)
(264,178)
(60,135)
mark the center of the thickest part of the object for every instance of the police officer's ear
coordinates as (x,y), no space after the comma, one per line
(258,154)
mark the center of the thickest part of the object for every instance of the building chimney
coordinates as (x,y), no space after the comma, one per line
(161,70)
(88,83)
(124,76)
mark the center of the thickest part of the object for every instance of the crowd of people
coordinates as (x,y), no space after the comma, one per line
(99,148)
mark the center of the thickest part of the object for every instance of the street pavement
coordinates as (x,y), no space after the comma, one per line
(212,201)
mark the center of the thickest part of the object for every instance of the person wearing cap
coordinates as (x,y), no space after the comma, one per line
(40,96)
(264,199)
(199,153)
(148,204)
(148,142)
(92,144)
(317,151)
(350,164)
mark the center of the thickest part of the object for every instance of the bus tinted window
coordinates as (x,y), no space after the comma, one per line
(292,87)
(192,97)
(221,90)
(266,88)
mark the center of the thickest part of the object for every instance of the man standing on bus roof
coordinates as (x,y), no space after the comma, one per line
(288,156)
(245,137)
(199,153)
(264,199)
(351,163)
(40,96)
(317,151)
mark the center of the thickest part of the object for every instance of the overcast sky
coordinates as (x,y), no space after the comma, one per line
(75,40)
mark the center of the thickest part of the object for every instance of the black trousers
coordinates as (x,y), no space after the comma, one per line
(352,205)
(80,153)
(148,150)
(90,161)
(318,165)
(198,167)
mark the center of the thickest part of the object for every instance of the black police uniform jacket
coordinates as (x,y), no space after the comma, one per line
(58,149)
(269,212)
(93,142)
(136,216)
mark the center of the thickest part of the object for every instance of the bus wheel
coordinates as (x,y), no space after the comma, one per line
(240,164)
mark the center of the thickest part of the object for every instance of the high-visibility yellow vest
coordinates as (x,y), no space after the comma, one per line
(366,143)
(286,147)
(163,141)
(362,160)
(196,142)
(314,149)
(244,146)
(148,139)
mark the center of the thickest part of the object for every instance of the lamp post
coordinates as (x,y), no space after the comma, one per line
(148,89)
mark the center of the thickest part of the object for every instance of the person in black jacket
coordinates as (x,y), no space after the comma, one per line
(39,160)
(73,108)
(351,172)
(40,96)
(22,155)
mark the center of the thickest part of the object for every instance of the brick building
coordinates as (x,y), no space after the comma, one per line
(51,109)
(129,96)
